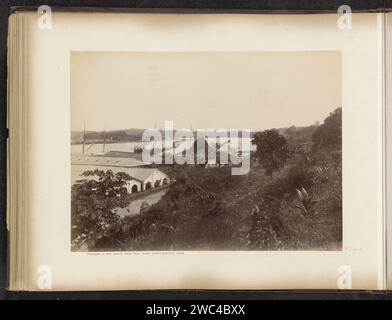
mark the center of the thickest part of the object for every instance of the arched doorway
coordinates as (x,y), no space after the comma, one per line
(148,185)
(157,183)
(164,182)
(134,188)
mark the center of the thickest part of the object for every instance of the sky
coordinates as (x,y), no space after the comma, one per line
(205,90)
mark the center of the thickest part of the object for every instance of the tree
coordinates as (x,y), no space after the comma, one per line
(272,150)
(93,221)
(329,134)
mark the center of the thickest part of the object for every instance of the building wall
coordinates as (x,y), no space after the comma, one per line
(157,176)
(130,184)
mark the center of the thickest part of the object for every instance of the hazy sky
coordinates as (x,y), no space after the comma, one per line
(255,91)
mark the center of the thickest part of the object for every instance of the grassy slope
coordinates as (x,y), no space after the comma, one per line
(210,209)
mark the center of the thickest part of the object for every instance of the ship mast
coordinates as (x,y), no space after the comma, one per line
(84,135)
(104,139)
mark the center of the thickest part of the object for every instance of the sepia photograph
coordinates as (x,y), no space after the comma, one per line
(197,151)
(220,151)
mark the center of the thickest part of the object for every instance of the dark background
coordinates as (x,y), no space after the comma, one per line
(164,5)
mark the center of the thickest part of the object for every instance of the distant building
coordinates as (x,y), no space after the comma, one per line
(141,178)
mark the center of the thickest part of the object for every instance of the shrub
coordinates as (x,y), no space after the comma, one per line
(299,176)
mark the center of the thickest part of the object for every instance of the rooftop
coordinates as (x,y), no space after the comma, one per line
(106,161)
(140,174)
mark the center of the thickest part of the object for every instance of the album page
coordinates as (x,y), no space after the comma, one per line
(204,151)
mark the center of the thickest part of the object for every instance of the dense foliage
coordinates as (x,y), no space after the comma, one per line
(329,134)
(272,150)
(93,222)
(299,207)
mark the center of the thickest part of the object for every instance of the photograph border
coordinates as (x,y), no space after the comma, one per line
(8,6)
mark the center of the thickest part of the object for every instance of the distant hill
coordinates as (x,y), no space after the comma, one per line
(294,135)
(127,135)
(298,137)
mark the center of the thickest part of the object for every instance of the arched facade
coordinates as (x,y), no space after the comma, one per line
(133,186)
(141,178)
(156,179)
(148,186)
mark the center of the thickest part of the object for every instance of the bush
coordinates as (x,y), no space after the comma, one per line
(299,176)
(94,224)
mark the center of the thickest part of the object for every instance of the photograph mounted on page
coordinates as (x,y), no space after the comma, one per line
(206,151)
